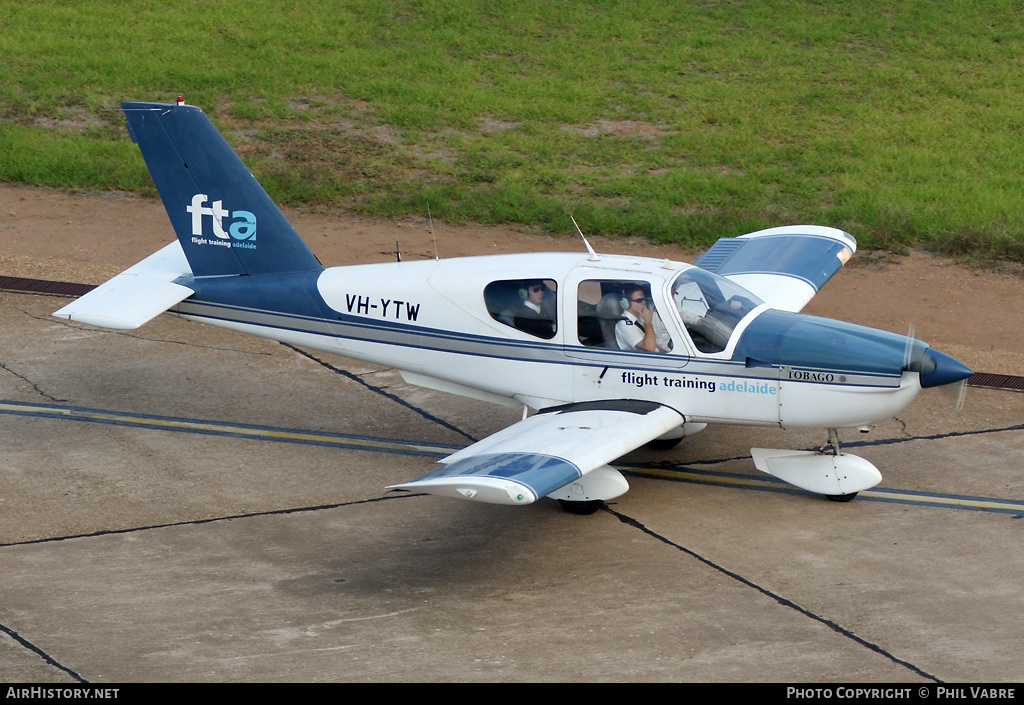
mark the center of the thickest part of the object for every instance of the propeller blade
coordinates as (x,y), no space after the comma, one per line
(956,393)
(909,349)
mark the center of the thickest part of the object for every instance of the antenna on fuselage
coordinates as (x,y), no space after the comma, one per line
(432,238)
(593,255)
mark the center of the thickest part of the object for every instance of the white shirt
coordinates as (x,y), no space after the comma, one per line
(628,331)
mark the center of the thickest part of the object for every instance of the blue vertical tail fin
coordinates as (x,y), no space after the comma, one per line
(225,221)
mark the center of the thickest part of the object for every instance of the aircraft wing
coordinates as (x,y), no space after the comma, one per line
(136,295)
(546,451)
(784,266)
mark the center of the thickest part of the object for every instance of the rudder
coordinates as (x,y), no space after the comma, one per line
(225,221)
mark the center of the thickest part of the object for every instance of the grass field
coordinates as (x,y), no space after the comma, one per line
(899,121)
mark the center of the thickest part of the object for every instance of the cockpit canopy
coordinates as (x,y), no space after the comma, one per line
(711,306)
(688,302)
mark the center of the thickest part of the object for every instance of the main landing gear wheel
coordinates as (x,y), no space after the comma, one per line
(581,508)
(664,443)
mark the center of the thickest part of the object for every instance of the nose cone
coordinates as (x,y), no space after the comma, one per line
(938,369)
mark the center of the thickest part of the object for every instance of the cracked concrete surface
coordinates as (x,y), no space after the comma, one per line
(160,553)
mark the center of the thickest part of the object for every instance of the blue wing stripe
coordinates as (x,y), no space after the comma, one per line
(810,258)
(541,473)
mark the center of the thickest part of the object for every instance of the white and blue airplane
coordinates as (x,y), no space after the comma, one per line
(610,352)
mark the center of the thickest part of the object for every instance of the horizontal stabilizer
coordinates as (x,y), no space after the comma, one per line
(136,295)
(785,267)
(546,451)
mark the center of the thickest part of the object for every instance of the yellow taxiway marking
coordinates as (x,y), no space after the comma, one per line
(881,494)
(224,429)
(679,474)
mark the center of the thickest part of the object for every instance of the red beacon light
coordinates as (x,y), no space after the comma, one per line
(180,100)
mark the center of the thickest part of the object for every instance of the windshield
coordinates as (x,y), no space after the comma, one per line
(710,307)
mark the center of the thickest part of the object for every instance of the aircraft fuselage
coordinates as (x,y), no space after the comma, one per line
(432,321)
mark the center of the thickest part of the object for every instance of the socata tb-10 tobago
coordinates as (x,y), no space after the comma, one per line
(614,352)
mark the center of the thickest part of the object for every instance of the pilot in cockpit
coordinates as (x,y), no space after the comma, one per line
(635,330)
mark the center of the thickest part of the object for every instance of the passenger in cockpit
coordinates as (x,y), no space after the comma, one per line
(530,315)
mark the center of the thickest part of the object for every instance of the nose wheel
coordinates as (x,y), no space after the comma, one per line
(841,497)
(833,443)
(828,471)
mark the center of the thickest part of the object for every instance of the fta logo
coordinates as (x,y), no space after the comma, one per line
(241,225)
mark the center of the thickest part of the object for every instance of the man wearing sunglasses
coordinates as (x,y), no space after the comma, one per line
(635,330)
(530,315)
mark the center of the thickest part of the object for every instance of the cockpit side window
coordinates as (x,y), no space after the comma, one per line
(528,305)
(610,314)
(711,306)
